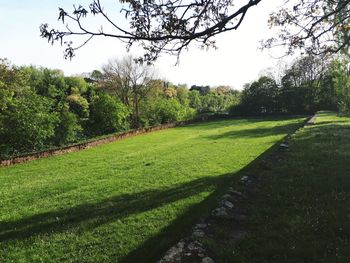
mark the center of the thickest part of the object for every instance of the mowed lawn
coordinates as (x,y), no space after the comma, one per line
(129,200)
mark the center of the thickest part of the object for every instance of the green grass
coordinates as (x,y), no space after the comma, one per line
(129,200)
(301,213)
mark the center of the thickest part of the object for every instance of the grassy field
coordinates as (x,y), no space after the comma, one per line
(302,211)
(126,201)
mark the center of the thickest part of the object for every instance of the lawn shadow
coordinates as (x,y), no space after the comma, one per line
(326,131)
(213,124)
(256,132)
(105,211)
(329,122)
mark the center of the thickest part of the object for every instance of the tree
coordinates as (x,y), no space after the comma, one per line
(203,90)
(301,84)
(107,115)
(158,26)
(182,94)
(7,76)
(46,82)
(130,81)
(28,123)
(78,105)
(195,100)
(68,128)
(313,26)
(96,75)
(165,110)
(260,97)
(337,86)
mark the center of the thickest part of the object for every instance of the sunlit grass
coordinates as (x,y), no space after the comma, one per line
(115,201)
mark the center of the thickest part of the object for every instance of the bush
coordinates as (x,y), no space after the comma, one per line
(107,115)
(68,129)
(163,110)
(238,110)
(79,105)
(28,123)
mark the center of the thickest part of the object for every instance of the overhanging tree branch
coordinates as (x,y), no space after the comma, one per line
(318,27)
(159,26)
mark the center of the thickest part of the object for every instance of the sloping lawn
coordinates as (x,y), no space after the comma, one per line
(129,200)
(302,211)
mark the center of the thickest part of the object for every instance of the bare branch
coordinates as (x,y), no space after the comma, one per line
(158,26)
(314,26)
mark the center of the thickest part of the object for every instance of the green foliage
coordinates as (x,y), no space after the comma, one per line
(195,100)
(339,84)
(28,123)
(46,82)
(96,75)
(203,90)
(76,85)
(216,103)
(6,96)
(68,129)
(130,81)
(309,85)
(165,110)
(107,115)
(260,97)
(182,94)
(79,105)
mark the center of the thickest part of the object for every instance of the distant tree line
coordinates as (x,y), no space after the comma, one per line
(310,84)
(41,108)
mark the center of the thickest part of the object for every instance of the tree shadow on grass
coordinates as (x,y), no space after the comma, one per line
(327,131)
(105,211)
(257,132)
(329,122)
(214,124)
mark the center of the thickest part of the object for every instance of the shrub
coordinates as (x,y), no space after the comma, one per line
(28,123)
(79,105)
(163,110)
(107,115)
(68,129)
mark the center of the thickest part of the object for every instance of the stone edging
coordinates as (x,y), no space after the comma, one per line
(190,249)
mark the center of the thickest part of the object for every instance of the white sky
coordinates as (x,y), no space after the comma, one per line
(236,61)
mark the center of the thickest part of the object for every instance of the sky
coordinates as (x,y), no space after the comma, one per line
(236,61)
